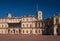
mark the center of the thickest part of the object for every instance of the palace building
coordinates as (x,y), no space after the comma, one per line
(30,25)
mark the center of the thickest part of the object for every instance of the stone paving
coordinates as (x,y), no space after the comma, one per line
(29,38)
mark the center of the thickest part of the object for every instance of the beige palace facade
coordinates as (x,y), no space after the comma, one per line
(30,25)
(21,25)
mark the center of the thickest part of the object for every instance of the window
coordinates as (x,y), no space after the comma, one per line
(30,31)
(39,31)
(56,21)
(19,31)
(5,25)
(30,25)
(35,31)
(23,31)
(2,31)
(11,31)
(26,31)
(5,31)
(43,24)
(8,30)
(16,31)
(2,25)
(27,25)
(23,25)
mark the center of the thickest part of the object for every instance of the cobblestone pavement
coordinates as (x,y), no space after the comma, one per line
(29,38)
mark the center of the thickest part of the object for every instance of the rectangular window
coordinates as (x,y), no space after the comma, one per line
(43,24)
(16,31)
(5,25)
(5,31)
(11,32)
(27,25)
(30,25)
(39,31)
(35,31)
(23,25)
(26,31)
(2,25)
(30,31)
(2,31)
(56,21)
(19,31)
(23,31)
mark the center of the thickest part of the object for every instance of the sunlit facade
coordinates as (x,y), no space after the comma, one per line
(21,25)
(30,25)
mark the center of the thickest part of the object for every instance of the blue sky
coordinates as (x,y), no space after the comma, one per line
(29,7)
